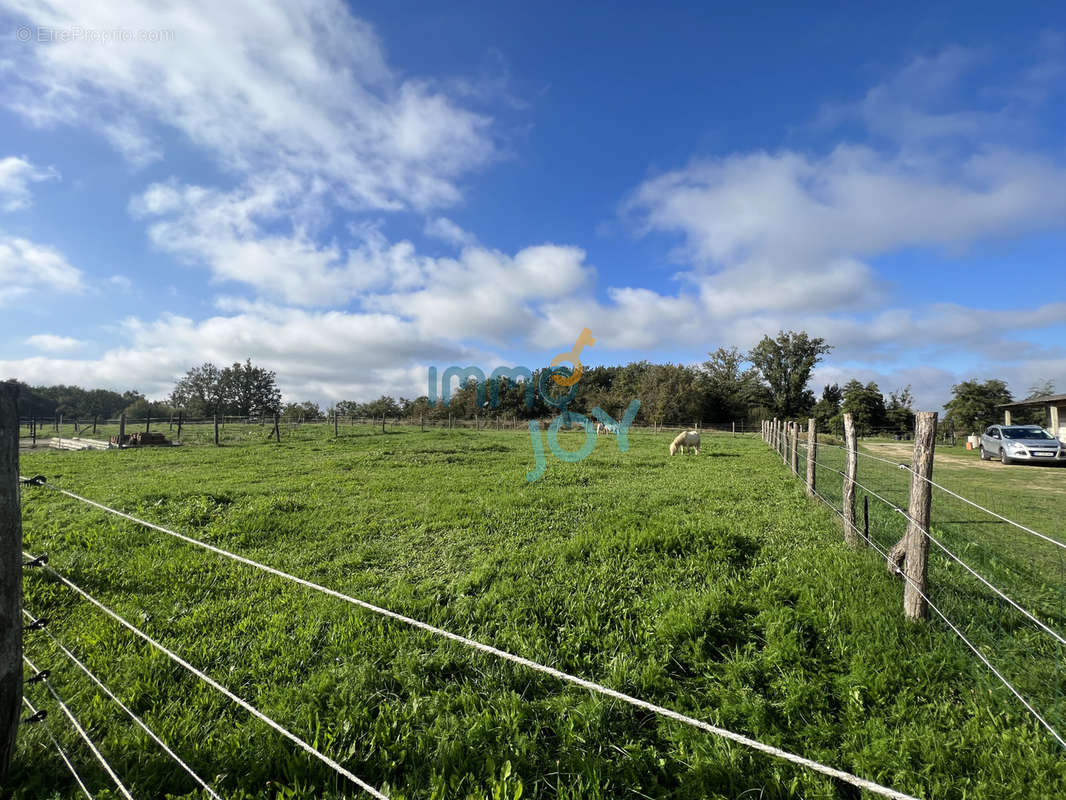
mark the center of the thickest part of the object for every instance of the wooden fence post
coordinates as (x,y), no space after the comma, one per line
(148,421)
(336,424)
(122,430)
(795,448)
(277,429)
(383,423)
(180,415)
(851,464)
(10,574)
(94,424)
(812,454)
(216,429)
(59,425)
(786,430)
(910,553)
(77,428)
(33,432)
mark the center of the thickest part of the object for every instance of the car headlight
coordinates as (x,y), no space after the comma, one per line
(1015,448)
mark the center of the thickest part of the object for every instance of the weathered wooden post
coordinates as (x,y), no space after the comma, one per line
(95,419)
(383,422)
(734,429)
(812,453)
(180,415)
(911,552)
(77,428)
(336,424)
(277,429)
(59,424)
(122,430)
(851,463)
(10,574)
(148,420)
(171,427)
(784,442)
(795,448)
(215,420)
(33,431)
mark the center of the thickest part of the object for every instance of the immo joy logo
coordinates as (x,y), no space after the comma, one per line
(561,376)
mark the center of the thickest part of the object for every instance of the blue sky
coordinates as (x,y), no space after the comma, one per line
(349,194)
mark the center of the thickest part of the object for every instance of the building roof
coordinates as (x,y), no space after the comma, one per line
(1036,401)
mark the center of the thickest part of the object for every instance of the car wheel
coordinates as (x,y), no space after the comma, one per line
(984,456)
(1003,457)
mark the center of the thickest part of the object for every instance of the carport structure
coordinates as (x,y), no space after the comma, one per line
(1054,406)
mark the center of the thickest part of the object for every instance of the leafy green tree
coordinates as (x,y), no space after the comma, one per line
(729,390)
(973,404)
(248,389)
(866,406)
(785,364)
(200,391)
(899,411)
(827,410)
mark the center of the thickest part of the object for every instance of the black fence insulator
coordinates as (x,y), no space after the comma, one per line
(40,676)
(36,480)
(37,624)
(38,717)
(39,561)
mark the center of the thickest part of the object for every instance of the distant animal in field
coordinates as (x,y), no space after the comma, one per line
(690,439)
(602,428)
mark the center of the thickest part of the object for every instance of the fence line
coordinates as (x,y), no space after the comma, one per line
(81,731)
(123,706)
(966,500)
(922,592)
(516,659)
(950,554)
(62,753)
(217,686)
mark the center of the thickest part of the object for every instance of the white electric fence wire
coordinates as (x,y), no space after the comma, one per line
(123,706)
(951,625)
(957,496)
(525,662)
(62,753)
(219,687)
(81,731)
(1031,617)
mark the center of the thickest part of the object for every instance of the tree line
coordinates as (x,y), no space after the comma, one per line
(770,380)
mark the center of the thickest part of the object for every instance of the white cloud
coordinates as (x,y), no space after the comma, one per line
(26,266)
(446,230)
(317,355)
(54,344)
(121,281)
(301,87)
(16,175)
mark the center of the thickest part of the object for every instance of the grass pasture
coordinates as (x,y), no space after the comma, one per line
(710,585)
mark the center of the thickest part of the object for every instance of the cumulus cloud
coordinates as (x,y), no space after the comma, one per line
(26,266)
(321,355)
(16,175)
(51,343)
(301,87)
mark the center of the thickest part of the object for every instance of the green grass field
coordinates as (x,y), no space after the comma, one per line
(710,585)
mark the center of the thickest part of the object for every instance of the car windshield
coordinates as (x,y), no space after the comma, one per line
(1026,433)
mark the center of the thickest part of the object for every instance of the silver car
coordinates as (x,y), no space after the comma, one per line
(1029,443)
